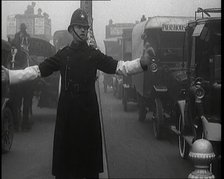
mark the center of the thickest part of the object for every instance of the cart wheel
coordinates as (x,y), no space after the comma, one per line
(124,101)
(183,146)
(141,109)
(157,119)
(7,129)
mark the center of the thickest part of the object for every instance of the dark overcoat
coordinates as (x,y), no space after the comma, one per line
(77,139)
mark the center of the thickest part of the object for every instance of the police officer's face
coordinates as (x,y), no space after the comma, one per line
(81,31)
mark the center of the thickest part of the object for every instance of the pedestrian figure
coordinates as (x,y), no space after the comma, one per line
(77,151)
(22,94)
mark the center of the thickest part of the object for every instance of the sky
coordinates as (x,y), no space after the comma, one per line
(120,11)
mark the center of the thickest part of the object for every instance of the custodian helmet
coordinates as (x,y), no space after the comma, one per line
(79,17)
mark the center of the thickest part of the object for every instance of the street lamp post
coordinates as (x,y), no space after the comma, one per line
(87,7)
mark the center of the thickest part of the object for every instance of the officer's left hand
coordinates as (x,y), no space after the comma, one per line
(148,54)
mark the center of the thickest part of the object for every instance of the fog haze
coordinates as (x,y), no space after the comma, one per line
(120,11)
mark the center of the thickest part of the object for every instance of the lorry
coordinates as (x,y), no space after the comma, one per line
(159,88)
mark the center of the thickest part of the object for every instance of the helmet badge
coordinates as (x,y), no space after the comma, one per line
(82,16)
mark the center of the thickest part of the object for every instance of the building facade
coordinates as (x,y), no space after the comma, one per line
(38,25)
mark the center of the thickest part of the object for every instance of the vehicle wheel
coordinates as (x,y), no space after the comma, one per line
(124,101)
(7,129)
(183,146)
(114,86)
(141,109)
(31,116)
(157,119)
(119,92)
(105,88)
(114,90)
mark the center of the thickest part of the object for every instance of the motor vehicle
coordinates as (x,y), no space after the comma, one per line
(107,81)
(117,86)
(200,110)
(127,89)
(159,88)
(113,49)
(6,105)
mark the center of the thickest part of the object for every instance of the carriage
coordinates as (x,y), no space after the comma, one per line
(7,110)
(38,50)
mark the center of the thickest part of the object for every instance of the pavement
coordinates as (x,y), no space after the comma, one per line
(105,166)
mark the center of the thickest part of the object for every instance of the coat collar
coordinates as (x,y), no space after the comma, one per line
(76,46)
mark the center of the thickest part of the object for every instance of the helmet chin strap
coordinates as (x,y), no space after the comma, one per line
(77,35)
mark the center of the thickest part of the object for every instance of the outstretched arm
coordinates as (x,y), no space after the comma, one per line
(138,65)
(44,69)
(129,67)
(19,76)
(28,74)
(108,65)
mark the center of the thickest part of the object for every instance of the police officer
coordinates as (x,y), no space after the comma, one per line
(77,151)
(22,94)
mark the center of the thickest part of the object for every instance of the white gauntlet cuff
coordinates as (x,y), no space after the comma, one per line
(129,67)
(27,74)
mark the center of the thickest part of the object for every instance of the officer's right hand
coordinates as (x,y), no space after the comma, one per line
(148,54)
(149,51)
(5,74)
